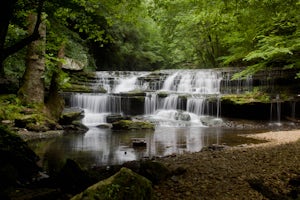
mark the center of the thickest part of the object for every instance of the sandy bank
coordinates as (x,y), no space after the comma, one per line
(276,137)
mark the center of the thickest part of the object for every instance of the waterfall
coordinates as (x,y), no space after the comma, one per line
(169,82)
(196,105)
(182,95)
(150,103)
(96,107)
(170,102)
(275,110)
(126,85)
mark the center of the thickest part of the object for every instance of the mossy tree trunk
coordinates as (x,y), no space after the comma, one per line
(55,102)
(32,89)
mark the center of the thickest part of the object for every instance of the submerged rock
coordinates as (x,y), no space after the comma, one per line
(129,125)
(182,116)
(123,185)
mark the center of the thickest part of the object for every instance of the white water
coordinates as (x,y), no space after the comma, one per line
(96,107)
(196,92)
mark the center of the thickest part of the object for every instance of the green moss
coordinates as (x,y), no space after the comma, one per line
(30,116)
(123,185)
(129,125)
(248,97)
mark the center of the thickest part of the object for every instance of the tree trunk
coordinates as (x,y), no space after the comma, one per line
(32,89)
(6,13)
(55,102)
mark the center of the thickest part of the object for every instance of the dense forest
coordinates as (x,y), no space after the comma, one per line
(151,34)
(38,38)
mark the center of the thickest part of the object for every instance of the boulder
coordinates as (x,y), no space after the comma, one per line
(182,116)
(114,118)
(76,126)
(73,65)
(130,125)
(123,185)
(71,114)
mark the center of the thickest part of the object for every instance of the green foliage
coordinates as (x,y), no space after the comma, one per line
(152,34)
(252,34)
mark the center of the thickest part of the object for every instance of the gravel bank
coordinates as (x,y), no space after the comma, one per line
(261,171)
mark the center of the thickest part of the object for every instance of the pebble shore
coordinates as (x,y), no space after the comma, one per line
(234,172)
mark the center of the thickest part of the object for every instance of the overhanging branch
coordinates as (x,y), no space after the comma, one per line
(27,40)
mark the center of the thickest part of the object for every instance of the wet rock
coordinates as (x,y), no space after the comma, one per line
(76,126)
(71,114)
(104,126)
(123,185)
(182,116)
(131,125)
(114,118)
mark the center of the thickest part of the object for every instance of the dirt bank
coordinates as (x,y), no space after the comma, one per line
(260,171)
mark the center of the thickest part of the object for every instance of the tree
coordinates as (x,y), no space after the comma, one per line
(6,15)
(32,89)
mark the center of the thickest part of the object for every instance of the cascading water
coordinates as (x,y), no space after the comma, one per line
(96,107)
(180,96)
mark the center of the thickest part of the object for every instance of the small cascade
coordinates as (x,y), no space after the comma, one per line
(196,105)
(97,107)
(170,102)
(275,111)
(118,81)
(150,103)
(126,85)
(97,103)
(169,83)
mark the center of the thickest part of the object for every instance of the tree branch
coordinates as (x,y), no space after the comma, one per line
(27,40)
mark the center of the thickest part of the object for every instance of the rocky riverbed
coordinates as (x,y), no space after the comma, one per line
(265,171)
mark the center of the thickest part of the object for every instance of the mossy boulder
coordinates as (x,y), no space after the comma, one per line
(71,114)
(17,160)
(130,125)
(36,122)
(123,185)
(116,117)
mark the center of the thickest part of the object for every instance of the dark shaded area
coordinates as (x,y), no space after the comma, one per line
(17,162)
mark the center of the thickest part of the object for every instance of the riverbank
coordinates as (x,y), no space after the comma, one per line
(260,171)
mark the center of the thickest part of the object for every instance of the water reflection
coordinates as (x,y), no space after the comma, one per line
(106,147)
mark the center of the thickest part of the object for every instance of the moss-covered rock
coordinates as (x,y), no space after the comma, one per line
(36,122)
(70,115)
(123,185)
(129,125)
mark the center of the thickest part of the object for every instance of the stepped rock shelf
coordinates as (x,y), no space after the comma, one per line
(185,96)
